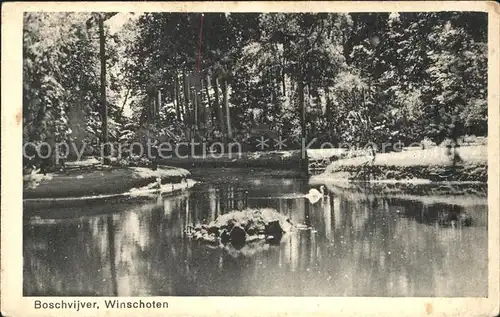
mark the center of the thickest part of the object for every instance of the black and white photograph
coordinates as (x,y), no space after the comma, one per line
(241,154)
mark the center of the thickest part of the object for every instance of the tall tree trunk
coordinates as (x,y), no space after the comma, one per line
(152,107)
(283,77)
(225,91)
(329,113)
(201,105)
(104,105)
(218,108)
(195,108)
(277,82)
(186,95)
(179,99)
(328,106)
(328,110)
(312,97)
(176,101)
(207,91)
(274,88)
(159,103)
(302,106)
(283,81)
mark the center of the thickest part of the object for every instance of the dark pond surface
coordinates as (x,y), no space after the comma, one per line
(362,244)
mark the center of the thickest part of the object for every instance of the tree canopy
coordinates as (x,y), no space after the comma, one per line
(350,77)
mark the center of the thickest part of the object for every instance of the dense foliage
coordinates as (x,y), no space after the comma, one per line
(337,77)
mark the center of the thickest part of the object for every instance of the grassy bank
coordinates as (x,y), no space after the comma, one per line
(99,180)
(436,164)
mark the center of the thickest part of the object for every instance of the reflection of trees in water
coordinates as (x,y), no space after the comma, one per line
(105,255)
(69,258)
(441,214)
(153,255)
(358,247)
(135,232)
(112,254)
(380,252)
(368,250)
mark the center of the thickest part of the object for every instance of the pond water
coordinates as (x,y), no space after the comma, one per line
(361,244)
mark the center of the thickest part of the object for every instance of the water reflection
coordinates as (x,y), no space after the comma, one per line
(360,245)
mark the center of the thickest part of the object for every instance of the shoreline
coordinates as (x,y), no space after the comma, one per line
(431,166)
(418,167)
(98,182)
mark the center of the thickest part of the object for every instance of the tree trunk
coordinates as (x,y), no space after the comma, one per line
(159,103)
(179,98)
(218,108)
(283,70)
(283,81)
(302,106)
(225,92)
(195,108)
(151,109)
(275,91)
(104,105)
(278,82)
(329,114)
(328,107)
(207,91)
(186,95)
(176,101)
(202,117)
